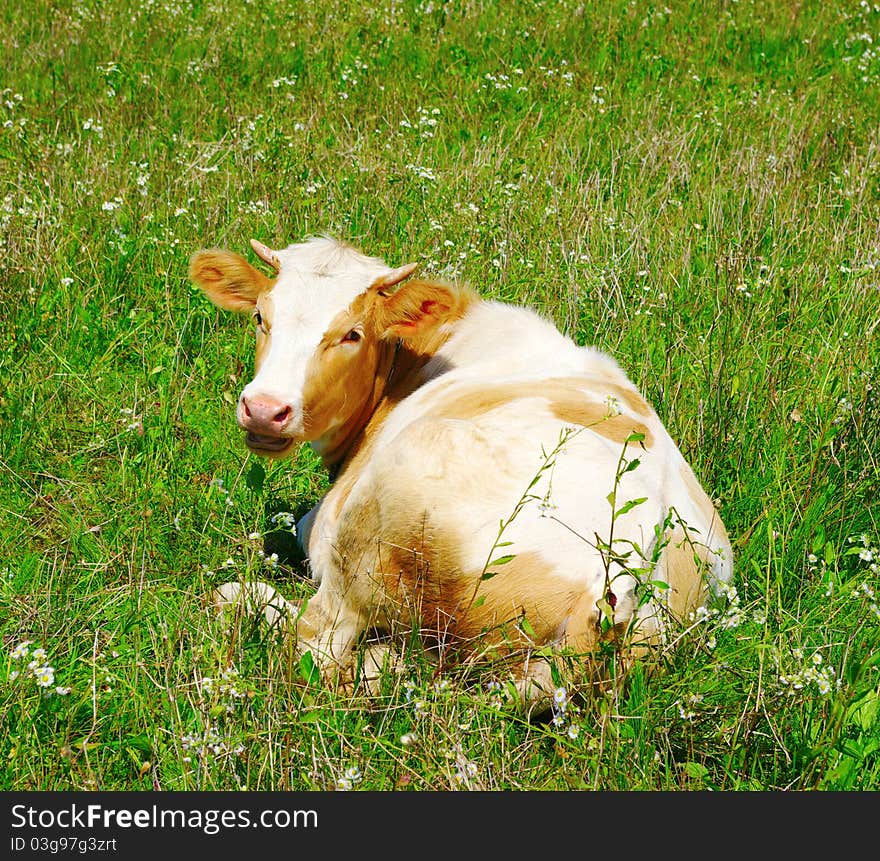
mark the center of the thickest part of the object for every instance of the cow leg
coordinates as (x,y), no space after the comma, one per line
(328,628)
(252,599)
(329,636)
(376,660)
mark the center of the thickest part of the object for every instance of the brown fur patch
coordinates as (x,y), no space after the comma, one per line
(589,414)
(685,563)
(582,632)
(631,398)
(565,397)
(455,607)
(526,587)
(341,380)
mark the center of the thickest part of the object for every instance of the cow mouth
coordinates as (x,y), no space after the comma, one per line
(272,444)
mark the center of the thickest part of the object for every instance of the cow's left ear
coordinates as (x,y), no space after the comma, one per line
(416,307)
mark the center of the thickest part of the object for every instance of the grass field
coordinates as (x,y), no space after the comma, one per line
(694,188)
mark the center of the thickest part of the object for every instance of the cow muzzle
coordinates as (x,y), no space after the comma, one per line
(268,423)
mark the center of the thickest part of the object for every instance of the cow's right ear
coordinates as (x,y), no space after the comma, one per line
(227,279)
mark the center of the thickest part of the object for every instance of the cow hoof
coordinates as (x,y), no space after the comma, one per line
(534,687)
(378,658)
(363,674)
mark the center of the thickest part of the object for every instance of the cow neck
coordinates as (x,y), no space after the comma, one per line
(397,375)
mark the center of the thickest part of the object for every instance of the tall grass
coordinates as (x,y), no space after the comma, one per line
(695,189)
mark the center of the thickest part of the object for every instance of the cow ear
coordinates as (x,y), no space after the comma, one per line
(416,308)
(227,279)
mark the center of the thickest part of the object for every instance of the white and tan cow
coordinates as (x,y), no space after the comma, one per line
(496,487)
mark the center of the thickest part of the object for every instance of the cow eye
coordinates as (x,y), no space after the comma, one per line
(352,337)
(258,318)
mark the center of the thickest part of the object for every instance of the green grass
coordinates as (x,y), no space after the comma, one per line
(695,190)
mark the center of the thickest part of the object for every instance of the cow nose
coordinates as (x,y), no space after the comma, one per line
(264,414)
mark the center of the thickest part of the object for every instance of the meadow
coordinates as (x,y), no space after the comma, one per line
(694,188)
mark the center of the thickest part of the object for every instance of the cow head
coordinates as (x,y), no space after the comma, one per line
(324,325)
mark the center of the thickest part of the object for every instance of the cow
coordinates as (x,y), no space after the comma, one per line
(495,487)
